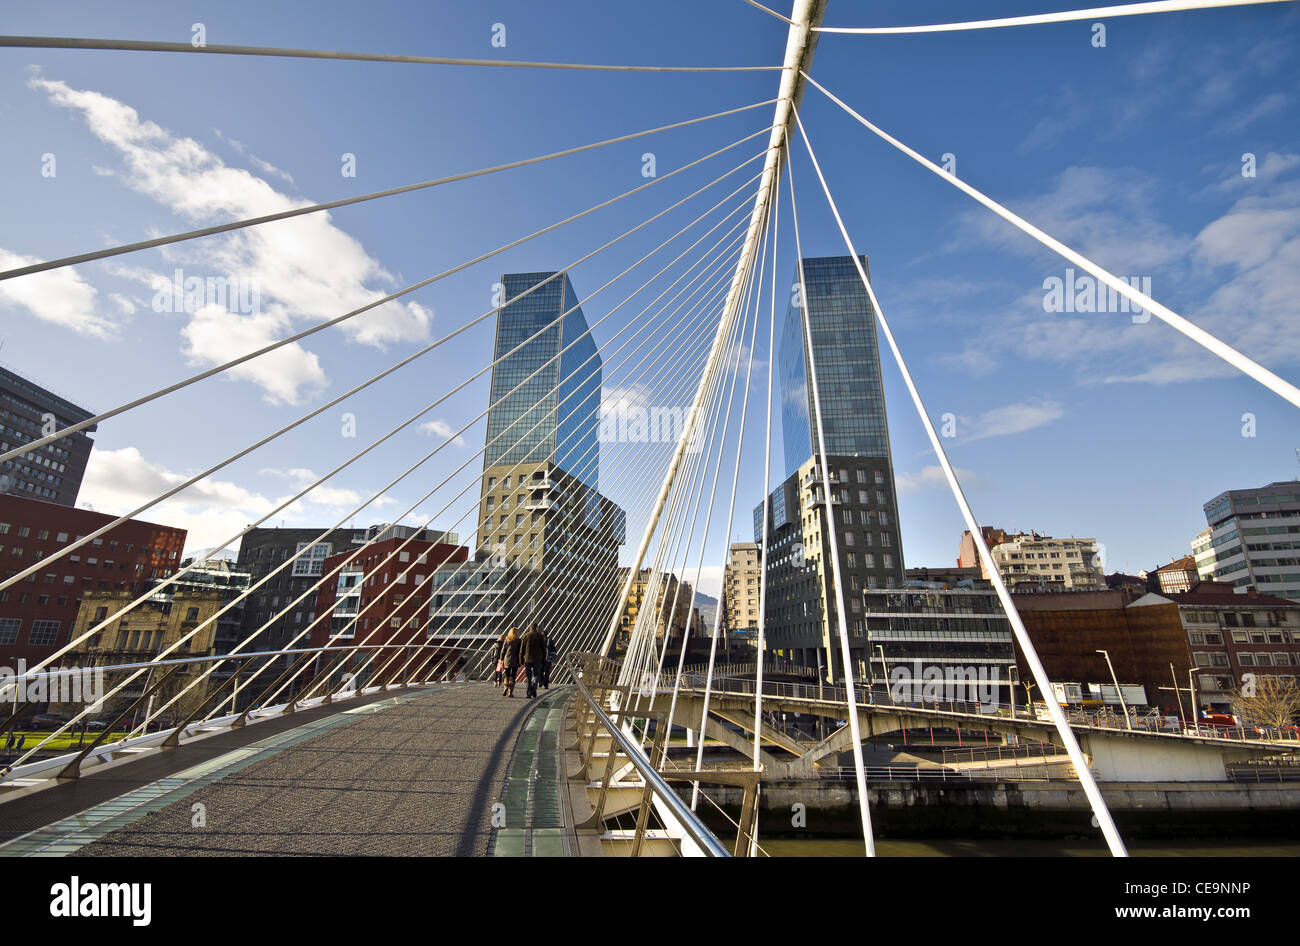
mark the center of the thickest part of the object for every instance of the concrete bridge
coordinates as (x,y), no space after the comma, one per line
(1114,755)
(454,768)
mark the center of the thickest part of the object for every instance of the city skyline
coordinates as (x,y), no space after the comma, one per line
(1043,404)
(609,298)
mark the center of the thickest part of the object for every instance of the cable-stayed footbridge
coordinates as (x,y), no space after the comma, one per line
(393,713)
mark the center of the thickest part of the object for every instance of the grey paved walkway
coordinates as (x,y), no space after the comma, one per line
(419,778)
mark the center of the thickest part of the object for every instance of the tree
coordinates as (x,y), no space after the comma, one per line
(1267,700)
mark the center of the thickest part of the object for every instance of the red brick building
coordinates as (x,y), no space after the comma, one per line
(1230,635)
(395,605)
(37,614)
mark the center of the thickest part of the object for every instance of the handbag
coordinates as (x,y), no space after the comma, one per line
(500,667)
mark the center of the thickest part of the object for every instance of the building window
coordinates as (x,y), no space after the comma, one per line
(9,626)
(308,563)
(43,633)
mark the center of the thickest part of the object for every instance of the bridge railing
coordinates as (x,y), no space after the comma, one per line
(602,701)
(136,705)
(883,695)
(1265,770)
(750,668)
(1033,750)
(874,695)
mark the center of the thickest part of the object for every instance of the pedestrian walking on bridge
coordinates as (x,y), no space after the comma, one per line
(551,656)
(533,650)
(510,659)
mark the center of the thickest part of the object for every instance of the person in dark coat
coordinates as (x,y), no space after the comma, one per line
(510,659)
(551,657)
(497,667)
(533,650)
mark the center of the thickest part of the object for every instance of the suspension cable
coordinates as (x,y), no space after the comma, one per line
(1066,734)
(217,369)
(218,49)
(832,530)
(1203,338)
(1123,9)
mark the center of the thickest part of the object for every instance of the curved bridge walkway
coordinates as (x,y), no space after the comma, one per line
(456,770)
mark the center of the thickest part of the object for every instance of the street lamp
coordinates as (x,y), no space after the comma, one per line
(1118,691)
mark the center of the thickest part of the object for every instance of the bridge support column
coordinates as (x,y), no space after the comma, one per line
(1120,758)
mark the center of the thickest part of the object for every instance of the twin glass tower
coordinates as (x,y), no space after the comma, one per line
(543,519)
(801,614)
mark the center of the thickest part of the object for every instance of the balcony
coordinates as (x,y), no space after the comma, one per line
(816,500)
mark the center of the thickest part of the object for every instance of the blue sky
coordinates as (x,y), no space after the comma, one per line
(1069,423)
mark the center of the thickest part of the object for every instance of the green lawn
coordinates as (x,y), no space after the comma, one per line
(64,740)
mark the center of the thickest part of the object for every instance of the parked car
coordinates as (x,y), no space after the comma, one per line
(1220,720)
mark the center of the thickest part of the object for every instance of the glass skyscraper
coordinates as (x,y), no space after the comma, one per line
(555,414)
(843,329)
(801,604)
(541,514)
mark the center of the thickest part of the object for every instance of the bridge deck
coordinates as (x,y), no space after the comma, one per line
(415,775)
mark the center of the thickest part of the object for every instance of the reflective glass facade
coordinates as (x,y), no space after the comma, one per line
(555,414)
(843,330)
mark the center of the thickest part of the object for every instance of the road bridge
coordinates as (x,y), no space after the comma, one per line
(1116,755)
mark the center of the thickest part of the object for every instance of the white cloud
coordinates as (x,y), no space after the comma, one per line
(118,481)
(1258,241)
(124,305)
(440,428)
(215,336)
(1269,169)
(334,498)
(1251,306)
(1103,213)
(710,580)
(60,296)
(1013,419)
(266,167)
(931,477)
(305,269)
(1269,105)
(212,510)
